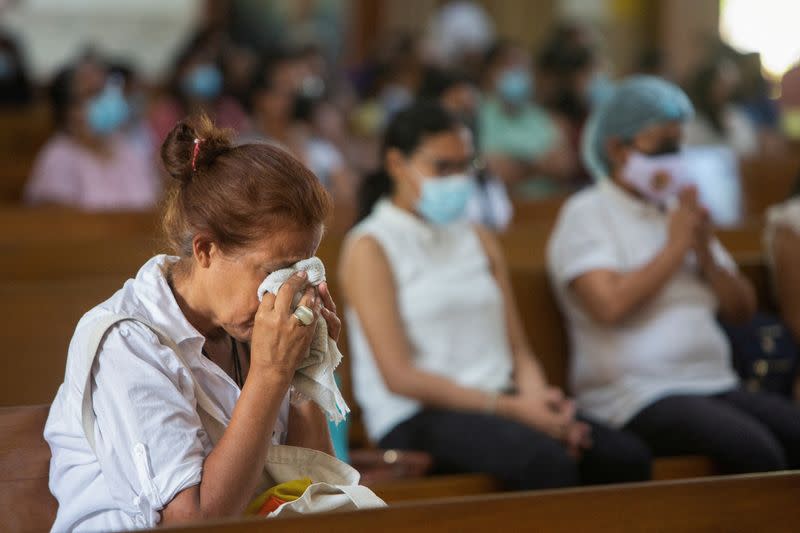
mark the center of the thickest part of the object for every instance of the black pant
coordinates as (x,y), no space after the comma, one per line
(742,431)
(520,456)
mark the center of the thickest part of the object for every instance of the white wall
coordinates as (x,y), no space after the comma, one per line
(146,32)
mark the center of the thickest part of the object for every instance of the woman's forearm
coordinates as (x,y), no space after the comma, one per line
(737,299)
(232,470)
(308,428)
(611,297)
(436,391)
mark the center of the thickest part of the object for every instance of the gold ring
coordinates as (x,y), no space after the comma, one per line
(304,315)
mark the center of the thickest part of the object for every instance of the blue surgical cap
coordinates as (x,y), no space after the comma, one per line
(637,103)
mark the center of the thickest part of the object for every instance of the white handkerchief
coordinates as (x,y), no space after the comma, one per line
(314,377)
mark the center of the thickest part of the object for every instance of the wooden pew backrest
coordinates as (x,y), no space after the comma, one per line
(736,503)
(26,504)
(38,321)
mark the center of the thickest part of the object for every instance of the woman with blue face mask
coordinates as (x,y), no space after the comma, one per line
(642,281)
(522,143)
(198,85)
(440,359)
(88,163)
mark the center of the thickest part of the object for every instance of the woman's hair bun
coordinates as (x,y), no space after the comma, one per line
(178,153)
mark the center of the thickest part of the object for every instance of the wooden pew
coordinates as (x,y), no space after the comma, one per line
(38,320)
(737,503)
(64,260)
(26,504)
(22,133)
(766,182)
(47,225)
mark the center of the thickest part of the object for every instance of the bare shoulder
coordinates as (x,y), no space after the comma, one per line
(362,254)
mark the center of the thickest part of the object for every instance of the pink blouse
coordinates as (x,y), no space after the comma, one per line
(69,174)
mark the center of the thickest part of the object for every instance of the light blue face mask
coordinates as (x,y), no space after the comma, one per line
(515,86)
(107,111)
(203,81)
(444,200)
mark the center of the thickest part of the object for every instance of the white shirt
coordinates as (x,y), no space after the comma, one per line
(671,345)
(451,308)
(149,439)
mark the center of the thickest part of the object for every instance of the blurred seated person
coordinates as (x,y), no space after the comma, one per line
(15,86)
(391,83)
(88,163)
(575,84)
(641,279)
(719,119)
(440,358)
(521,142)
(782,249)
(755,99)
(275,96)
(136,128)
(457,94)
(197,85)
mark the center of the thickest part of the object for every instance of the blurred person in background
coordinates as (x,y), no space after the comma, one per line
(522,143)
(459,35)
(389,82)
(642,279)
(461,97)
(238,64)
(782,250)
(719,120)
(440,359)
(89,163)
(136,128)
(15,86)
(575,83)
(754,97)
(197,85)
(276,97)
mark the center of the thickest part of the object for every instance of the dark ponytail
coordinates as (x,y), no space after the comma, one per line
(406,132)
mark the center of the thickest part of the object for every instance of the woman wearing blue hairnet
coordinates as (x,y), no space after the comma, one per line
(641,279)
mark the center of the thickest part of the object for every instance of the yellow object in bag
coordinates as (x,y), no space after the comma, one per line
(274,497)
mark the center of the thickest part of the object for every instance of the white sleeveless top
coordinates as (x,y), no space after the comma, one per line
(452,311)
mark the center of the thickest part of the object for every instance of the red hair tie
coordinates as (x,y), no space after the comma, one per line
(195,152)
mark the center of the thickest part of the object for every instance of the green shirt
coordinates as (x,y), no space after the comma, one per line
(525,135)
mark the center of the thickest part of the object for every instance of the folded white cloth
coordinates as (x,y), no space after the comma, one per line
(314,377)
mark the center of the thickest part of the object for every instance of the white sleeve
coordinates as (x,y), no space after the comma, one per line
(148,430)
(579,244)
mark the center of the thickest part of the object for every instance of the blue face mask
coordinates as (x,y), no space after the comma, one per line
(203,81)
(444,200)
(515,86)
(107,111)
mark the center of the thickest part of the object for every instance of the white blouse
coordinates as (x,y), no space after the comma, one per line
(149,438)
(451,308)
(671,345)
